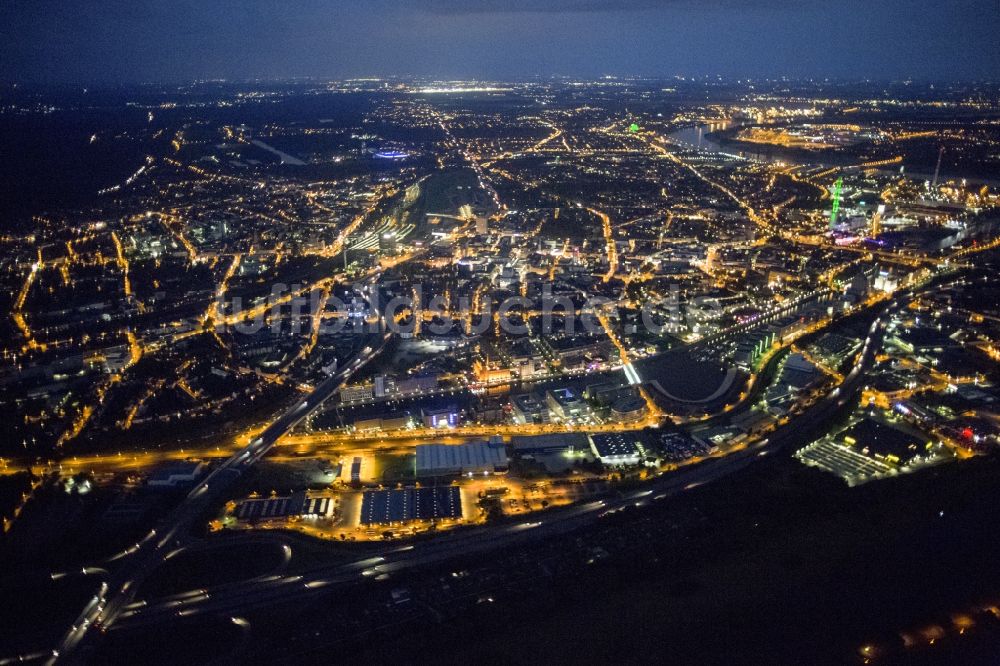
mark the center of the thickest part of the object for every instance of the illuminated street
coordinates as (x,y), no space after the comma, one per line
(567,332)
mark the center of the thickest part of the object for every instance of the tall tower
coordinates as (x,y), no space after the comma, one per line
(937,169)
(837,186)
(877,221)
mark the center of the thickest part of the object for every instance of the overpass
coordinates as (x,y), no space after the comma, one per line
(323,579)
(118,590)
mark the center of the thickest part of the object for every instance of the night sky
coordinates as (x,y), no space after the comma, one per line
(113,41)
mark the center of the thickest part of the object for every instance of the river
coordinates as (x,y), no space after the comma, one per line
(696,138)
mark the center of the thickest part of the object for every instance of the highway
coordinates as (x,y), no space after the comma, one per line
(269,590)
(117,592)
(114,600)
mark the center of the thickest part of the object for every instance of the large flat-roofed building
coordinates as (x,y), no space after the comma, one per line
(416,385)
(404,505)
(608,393)
(883,441)
(357,393)
(628,409)
(562,442)
(440,417)
(922,339)
(556,452)
(471,458)
(529,408)
(789,326)
(177,474)
(616,449)
(280,508)
(565,404)
(397,421)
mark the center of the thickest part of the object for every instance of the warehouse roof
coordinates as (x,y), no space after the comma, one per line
(382,507)
(461,457)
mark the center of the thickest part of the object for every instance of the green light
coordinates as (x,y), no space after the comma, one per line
(836,201)
(633,128)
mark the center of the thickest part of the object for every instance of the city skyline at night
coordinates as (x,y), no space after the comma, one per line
(567,332)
